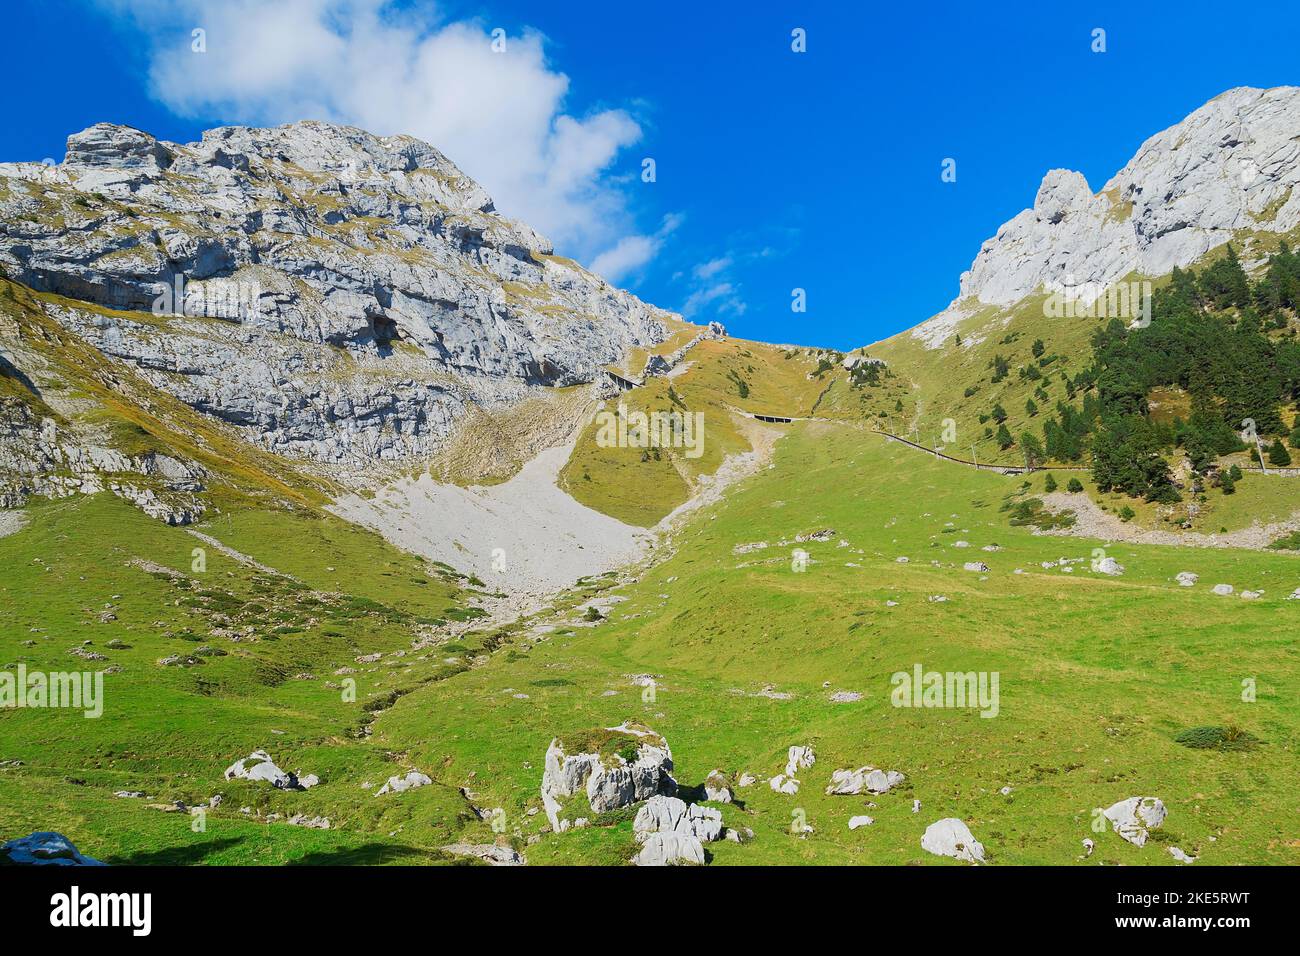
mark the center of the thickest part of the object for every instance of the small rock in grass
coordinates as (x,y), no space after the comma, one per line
(411,781)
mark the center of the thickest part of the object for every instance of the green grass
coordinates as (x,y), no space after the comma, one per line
(1098,676)
(639,487)
(172,731)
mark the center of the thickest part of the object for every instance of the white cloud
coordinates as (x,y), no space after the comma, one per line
(707,270)
(499,116)
(718,299)
(632,253)
(713,290)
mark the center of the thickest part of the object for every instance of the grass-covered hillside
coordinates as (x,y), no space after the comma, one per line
(207,655)
(1099,678)
(1154,412)
(1099,675)
(728,381)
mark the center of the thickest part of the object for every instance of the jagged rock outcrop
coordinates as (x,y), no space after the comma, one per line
(615,767)
(1231,165)
(338,296)
(661,814)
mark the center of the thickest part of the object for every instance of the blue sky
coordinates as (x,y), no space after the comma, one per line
(774,170)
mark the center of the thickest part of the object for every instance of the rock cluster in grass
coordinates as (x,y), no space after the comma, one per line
(400,784)
(797,758)
(490,853)
(259,767)
(612,767)
(850,782)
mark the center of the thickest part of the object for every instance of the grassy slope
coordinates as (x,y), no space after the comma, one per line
(942,377)
(171,731)
(778,381)
(1097,676)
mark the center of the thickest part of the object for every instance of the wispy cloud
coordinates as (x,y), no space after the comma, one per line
(707,270)
(631,254)
(713,290)
(500,116)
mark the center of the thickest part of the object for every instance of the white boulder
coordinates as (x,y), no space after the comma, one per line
(717,787)
(783,784)
(258,766)
(1108,566)
(951,837)
(1134,817)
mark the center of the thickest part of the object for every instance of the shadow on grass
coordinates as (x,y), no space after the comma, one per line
(372,854)
(174,855)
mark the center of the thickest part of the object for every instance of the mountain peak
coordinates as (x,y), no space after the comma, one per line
(1230,165)
(310,274)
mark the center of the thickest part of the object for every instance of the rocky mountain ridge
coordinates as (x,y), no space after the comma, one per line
(1230,167)
(340,298)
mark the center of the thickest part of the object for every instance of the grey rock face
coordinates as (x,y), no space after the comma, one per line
(341,297)
(37,457)
(1231,165)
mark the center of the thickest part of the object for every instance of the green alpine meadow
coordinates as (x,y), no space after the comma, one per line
(380,488)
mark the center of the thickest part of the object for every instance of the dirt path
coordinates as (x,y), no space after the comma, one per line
(1092,522)
(238,555)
